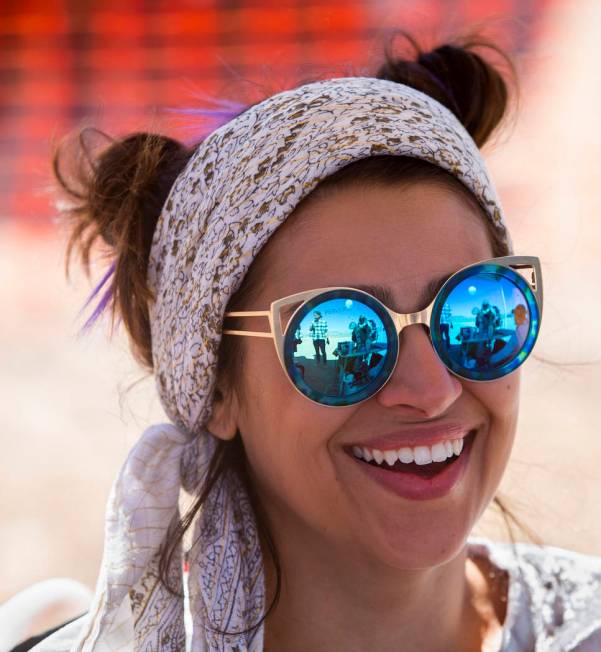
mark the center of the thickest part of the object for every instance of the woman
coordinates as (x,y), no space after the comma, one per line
(328,521)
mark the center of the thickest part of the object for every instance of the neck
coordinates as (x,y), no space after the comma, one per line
(342,602)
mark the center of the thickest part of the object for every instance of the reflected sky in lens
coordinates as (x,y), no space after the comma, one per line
(342,317)
(339,315)
(471,294)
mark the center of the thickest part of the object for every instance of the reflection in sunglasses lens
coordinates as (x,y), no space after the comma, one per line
(338,349)
(485,323)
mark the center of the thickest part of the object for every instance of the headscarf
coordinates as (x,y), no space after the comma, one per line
(241,183)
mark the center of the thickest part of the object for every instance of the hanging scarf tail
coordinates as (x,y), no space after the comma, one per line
(131,609)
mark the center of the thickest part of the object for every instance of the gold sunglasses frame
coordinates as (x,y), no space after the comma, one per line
(400,320)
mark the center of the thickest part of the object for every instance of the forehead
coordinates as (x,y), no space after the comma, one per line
(404,238)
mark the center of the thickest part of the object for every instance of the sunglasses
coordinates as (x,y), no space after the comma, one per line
(339,345)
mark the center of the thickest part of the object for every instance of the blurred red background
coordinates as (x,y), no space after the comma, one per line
(116,63)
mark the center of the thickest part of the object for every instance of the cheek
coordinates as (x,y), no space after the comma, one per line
(286,440)
(500,401)
(500,398)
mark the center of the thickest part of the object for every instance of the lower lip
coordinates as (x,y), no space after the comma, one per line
(415,487)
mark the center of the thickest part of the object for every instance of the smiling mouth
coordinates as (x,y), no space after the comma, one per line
(422,470)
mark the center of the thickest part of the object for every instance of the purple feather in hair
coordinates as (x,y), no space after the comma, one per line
(102,304)
(210,118)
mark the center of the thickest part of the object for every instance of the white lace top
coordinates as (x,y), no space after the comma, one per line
(554,603)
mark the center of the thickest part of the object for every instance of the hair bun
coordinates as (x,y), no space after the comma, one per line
(117,198)
(132,180)
(456,76)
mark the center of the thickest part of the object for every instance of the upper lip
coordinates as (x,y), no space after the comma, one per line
(417,435)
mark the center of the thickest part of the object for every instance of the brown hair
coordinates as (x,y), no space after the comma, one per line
(119,194)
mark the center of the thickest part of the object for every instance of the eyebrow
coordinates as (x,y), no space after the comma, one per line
(384,293)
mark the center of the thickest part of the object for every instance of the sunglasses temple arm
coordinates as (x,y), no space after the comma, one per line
(249,313)
(249,333)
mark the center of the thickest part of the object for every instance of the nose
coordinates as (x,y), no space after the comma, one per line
(420,383)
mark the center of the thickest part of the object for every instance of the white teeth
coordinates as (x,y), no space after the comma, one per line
(406,455)
(391,457)
(439,452)
(422,454)
(449,448)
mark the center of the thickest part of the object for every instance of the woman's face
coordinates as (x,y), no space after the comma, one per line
(311,487)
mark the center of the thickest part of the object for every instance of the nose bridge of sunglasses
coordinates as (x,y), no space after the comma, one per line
(402,320)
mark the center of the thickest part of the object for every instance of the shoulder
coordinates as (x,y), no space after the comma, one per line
(555,593)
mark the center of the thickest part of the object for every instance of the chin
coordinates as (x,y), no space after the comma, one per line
(426,548)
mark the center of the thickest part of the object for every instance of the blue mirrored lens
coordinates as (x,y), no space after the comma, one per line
(485,323)
(340,347)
